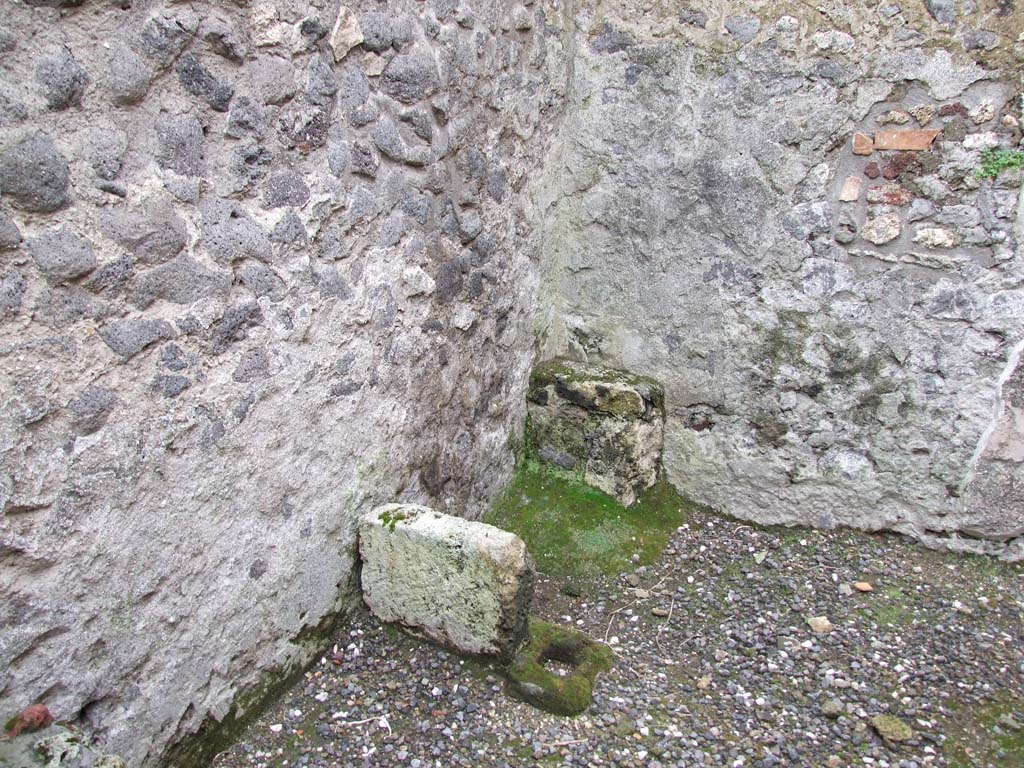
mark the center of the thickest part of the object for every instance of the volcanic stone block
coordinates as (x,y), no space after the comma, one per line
(605,423)
(462,584)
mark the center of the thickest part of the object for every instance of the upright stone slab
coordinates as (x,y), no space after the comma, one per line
(606,423)
(462,584)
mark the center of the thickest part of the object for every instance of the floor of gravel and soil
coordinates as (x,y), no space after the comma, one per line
(716,666)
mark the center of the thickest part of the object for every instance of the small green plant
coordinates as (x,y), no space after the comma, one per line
(995,161)
(390,521)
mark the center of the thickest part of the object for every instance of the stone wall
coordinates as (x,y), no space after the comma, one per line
(838,326)
(263,266)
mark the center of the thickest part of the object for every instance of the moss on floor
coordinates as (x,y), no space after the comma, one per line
(575,531)
(992,734)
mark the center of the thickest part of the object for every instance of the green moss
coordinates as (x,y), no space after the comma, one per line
(390,521)
(574,530)
(990,734)
(574,371)
(569,695)
(891,728)
(784,342)
(890,606)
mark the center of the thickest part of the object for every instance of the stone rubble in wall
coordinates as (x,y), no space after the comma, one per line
(263,266)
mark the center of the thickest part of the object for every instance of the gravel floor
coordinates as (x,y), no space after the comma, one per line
(717,666)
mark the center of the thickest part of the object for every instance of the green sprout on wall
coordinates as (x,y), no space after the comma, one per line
(995,161)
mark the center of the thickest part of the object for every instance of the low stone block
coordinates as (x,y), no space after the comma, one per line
(906,141)
(610,422)
(462,584)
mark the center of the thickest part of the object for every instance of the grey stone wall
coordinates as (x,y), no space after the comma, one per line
(839,334)
(263,266)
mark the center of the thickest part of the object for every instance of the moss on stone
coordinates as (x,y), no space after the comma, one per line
(569,695)
(574,372)
(574,530)
(784,342)
(891,728)
(390,521)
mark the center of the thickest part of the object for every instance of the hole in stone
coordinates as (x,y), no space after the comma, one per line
(557,667)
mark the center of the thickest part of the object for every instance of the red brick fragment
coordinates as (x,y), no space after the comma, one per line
(899,164)
(890,194)
(31,718)
(947,110)
(914,140)
(862,144)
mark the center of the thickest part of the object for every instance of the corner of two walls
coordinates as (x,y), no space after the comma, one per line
(838,334)
(263,265)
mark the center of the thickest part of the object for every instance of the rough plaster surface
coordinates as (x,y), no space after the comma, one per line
(463,584)
(266,265)
(825,362)
(263,266)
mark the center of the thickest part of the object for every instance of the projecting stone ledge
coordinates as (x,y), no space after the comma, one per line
(606,423)
(462,584)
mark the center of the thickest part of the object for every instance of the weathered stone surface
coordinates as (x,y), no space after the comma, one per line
(611,423)
(182,280)
(410,77)
(852,187)
(881,229)
(462,584)
(56,746)
(229,234)
(346,33)
(34,175)
(62,255)
(543,688)
(10,235)
(62,79)
(935,237)
(180,145)
(153,235)
(198,81)
(889,194)
(943,11)
(639,213)
(129,76)
(129,337)
(285,189)
(679,243)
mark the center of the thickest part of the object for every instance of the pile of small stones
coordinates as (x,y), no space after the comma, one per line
(741,647)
